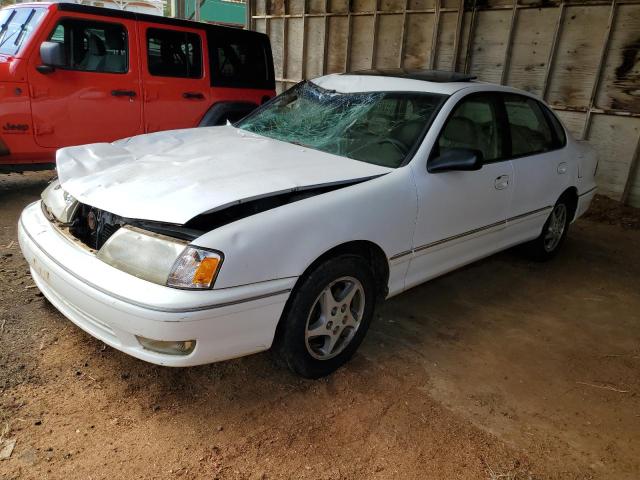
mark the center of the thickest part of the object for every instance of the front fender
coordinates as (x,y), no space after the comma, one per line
(283,242)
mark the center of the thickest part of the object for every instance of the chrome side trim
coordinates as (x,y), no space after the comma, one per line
(145,305)
(465,234)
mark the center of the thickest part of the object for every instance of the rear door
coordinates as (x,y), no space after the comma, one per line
(96,97)
(176,88)
(541,166)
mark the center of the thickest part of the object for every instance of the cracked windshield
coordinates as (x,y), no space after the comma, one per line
(380,128)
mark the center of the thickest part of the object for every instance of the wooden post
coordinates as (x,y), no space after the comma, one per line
(601,63)
(434,38)
(374,43)
(552,51)
(458,38)
(507,51)
(472,28)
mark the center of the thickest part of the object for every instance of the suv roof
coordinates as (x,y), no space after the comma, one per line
(112,12)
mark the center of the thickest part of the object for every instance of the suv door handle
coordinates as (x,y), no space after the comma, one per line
(193,96)
(501,182)
(123,93)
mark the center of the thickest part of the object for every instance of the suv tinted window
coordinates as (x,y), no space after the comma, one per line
(171,53)
(240,59)
(473,125)
(93,46)
(529,127)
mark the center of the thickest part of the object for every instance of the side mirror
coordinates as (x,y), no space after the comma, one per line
(456,159)
(52,55)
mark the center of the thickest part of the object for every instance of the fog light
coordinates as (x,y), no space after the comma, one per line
(168,347)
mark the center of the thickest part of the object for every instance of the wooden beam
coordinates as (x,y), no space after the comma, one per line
(325,50)
(402,34)
(631,175)
(458,38)
(601,64)
(434,38)
(552,52)
(507,51)
(472,28)
(374,43)
(347,57)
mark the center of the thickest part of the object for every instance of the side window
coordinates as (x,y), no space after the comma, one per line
(92,46)
(239,60)
(530,130)
(172,53)
(473,125)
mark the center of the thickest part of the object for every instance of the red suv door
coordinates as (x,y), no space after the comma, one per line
(96,96)
(175,78)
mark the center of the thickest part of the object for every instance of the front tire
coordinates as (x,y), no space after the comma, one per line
(327,317)
(554,232)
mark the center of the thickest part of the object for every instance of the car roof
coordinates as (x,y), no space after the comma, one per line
(400,80)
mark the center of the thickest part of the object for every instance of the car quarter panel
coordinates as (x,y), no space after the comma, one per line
(283,242)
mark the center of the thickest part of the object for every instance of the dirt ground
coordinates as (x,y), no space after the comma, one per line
(505,369)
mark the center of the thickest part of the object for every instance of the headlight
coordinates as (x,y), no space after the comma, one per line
(159,259)
(58,203)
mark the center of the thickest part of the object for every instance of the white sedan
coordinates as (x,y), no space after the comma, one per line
(284,230)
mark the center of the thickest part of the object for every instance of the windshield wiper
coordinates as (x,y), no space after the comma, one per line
(5,25)
(20,32)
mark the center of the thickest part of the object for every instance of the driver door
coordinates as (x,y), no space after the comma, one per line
(462,214)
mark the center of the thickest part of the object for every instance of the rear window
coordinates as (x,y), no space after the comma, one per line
(240,59)
(173,53)
(16,26)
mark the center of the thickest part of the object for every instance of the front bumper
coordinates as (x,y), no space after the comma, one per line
(115,307)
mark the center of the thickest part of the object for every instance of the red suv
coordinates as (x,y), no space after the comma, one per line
(72,74)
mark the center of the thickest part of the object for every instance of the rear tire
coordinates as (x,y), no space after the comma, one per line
(327,317)
(554,232)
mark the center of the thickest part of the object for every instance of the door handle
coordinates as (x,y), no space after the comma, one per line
(193,96)
(501,182)
(123,93)
(562,168)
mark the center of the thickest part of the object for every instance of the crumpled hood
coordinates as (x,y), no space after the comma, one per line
(174,176)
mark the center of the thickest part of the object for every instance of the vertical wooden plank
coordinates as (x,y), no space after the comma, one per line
(579,49)
(325,50)
(361,42)
(615,139)
(315,41)
(347,57)
(388,47)
(418,46)
(489,44)
(531,44)
(446,40)
(337,40)
(295,42)
(621,74)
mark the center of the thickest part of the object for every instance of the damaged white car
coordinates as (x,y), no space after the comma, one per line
(188,247)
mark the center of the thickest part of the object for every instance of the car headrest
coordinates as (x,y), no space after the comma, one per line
(408,132)
(96,45)
(114,39)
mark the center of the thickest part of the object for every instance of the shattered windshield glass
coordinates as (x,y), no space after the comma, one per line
(376,127)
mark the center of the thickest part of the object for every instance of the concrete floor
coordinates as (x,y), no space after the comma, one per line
(506,367)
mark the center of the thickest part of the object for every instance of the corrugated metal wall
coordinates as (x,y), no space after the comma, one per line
(583,56)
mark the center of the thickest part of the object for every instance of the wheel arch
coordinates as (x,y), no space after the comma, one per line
(571,194)
(370,251)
